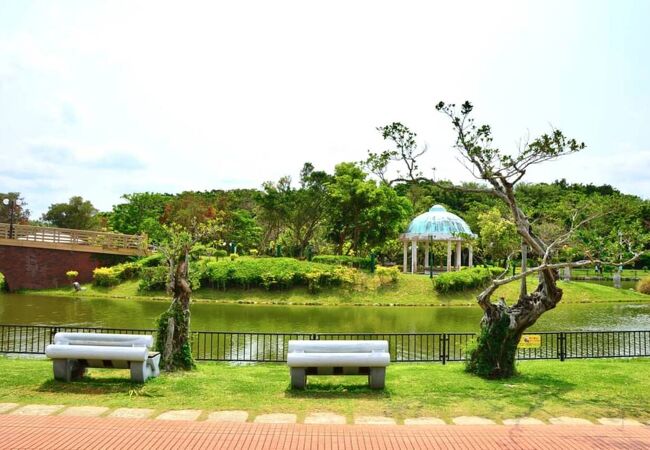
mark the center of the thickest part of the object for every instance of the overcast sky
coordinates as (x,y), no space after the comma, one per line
(104,98)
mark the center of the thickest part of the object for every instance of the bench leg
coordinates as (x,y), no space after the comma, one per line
(139,371)
(154,365)
(298,377)
(67,369)
(377,377)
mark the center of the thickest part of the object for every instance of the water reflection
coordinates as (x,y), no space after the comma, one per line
(78,311)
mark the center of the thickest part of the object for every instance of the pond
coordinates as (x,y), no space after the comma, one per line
(102,312)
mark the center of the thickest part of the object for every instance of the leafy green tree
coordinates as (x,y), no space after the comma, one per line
(141,213)
(295,214)
(498,236)
(78,214)
(361,213)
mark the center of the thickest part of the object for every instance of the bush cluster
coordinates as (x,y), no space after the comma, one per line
(153,278)
(643,285)
(468,278)
(343,260)
(114,275)
(2,281)
(271,273)
(387,275)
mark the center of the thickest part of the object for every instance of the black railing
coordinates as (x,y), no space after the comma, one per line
(403,347)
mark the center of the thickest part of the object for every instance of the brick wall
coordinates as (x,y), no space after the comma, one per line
(38,268)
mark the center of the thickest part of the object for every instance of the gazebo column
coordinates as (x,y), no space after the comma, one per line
(405,256)
(470,261)
(458,255)
(448,256)
(414,256)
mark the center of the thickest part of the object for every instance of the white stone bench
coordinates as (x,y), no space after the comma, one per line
(338,358)
(72,353)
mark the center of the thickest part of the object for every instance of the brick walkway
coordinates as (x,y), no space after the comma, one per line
(58,432)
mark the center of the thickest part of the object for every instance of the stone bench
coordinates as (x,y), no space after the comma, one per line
(338,358)
(72,353)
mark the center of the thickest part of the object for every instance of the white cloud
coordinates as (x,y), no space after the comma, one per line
(216,95)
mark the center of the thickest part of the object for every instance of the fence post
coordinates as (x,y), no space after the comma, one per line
(443,348)
(561,346)
(53,331)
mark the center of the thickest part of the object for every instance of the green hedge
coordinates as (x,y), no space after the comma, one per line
(114,275)
(343,260)
(272,273)
(468,278)
(153,278)
(2,281)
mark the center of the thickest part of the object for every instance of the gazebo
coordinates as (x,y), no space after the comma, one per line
(437,224)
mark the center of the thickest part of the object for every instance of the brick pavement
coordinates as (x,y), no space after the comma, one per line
(59,432)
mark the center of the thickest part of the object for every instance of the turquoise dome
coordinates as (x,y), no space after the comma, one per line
(436,224)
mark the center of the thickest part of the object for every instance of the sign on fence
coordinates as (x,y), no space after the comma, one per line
(530,341)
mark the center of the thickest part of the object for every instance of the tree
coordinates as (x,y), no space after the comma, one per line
(362,214)
(141,213)
(20,213)
(77,214)
(295,213)
(503,325)
(173,338)
(498,236)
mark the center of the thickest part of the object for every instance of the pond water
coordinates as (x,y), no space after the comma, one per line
(101,312)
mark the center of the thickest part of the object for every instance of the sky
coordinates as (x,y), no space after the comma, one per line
(101,98)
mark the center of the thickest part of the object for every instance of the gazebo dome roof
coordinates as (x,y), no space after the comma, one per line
(436,224)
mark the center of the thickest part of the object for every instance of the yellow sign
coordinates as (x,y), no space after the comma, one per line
(530,341)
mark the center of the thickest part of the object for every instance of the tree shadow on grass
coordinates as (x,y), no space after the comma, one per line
(539,390)
(96,386)
(326,390)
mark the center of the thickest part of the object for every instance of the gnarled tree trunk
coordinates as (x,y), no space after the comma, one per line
(503,325)
(174,324)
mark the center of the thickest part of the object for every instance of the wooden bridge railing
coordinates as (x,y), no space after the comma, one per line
(25,234)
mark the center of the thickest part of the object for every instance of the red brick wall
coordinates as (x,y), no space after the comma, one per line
(39,268)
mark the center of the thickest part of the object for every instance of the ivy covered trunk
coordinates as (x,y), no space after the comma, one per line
(502,326)
(173,339)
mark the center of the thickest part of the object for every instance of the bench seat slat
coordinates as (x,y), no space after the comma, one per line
(94,352)
(376,359)
(307,346)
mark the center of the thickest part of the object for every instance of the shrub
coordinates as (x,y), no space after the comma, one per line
(2,281)
(71,274)
(220,254)
(253,252)
(153,278)
(643,286)
(387,275)
(273,273)
(105,276)
(343,260)
(151,261)
(233,256)
(469,278)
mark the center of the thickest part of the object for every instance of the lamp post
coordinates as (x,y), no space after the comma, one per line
(11,203)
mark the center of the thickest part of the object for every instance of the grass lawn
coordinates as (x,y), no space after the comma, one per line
(579,388)
(414,290)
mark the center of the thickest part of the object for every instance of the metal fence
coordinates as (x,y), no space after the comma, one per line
(404,347)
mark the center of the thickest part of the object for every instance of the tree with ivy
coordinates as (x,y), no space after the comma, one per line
(173,337)
(502,325)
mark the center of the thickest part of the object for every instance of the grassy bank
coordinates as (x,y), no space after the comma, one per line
(413,290)
(589,388)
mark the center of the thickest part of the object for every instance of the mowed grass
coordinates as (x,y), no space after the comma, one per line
(579,388)
(410,290)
